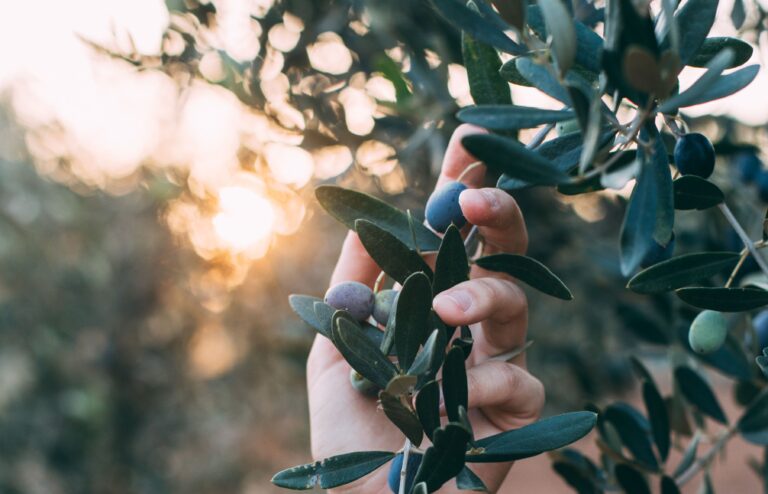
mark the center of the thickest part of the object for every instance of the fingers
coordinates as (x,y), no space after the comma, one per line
(457,159)
(508,395)
(354,263)
(498,217)
(498,303)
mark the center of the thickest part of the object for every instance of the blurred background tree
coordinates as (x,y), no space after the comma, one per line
(156,209)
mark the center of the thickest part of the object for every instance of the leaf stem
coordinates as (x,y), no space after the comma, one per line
(744,237)
(744,255)
(707,458)
(404,467)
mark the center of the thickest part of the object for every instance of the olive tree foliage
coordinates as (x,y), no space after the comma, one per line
(623,92)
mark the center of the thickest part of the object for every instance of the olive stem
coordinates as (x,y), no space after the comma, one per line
(379,281)
(540,136)
(404,467)
(742,258)
(744,237)
(707,458)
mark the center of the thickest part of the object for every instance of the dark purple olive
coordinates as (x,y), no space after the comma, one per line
(353,297)
(443,207)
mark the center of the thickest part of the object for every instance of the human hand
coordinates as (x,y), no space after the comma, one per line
(502,395)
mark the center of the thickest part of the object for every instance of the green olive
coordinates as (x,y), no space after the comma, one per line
(363,385)
(708,332)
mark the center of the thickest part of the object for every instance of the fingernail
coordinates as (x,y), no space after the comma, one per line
(490,198)
(459,298)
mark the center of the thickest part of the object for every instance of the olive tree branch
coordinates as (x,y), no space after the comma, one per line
(404,467)
(704,460)
(744,237)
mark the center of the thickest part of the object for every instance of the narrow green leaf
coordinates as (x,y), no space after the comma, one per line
(753,425)
(589,44)
(630,480)
(412,318)
(668,486)
(657,413)
(430,358)
(513,159)
(529,271)
(724,299)
(469,21)
(643,325)
(347,206)
(698,393)
(634,431)
(402,416)
(579,480)
(486,85)
(712,46)
(545,435)
(451,265)
(688,457)
(510,73)
(304,307)
(692,192)
(454,383)
(467,480)
(695,19)
(542,79)
(681,271)
(428,407)
(393,256)
(445,458)
(509,117)
(420,488)
(333,471)
(650,213)
(324,314)
(361,354)
(562,33)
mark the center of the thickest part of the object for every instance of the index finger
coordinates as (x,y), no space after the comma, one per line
(457,159)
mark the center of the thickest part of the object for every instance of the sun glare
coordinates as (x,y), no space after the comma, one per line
(244,220)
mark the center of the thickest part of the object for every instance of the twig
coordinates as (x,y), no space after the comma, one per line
(744,255)
(707,458)
(404,468)
(744,237)
(540,136)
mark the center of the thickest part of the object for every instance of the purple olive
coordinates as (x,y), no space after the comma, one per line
(695,155)
(443,207)
(353,297)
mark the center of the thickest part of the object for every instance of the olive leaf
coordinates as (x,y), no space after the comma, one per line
(562,33)
(692,192)
(402,416)
(712,46)
(724,299)
(445,458)
(393,256)
(451,265)
(527,270)
(510,117)
(486,85)
(630,480)
(454,383)
(304,307)
(698,393)
(412,316)
(361,354)
(332,472)
(480,28)
(348,206)
(428,407)
(634,431)
(467,480)
(681,271)
(753,425)
(695,18)
(545,435)
(589,44)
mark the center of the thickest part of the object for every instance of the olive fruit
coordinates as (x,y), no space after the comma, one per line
(760,323)
(362,384)
(748,165)
(695,155)
(353,297)
(762,185)
(414,460)
(708,332)
(443,207)
(658,253)
(567,127)
(383,305)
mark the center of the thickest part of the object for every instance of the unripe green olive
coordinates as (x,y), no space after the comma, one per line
(363,385)
(708,332)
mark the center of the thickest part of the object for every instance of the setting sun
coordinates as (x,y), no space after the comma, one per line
(245,218)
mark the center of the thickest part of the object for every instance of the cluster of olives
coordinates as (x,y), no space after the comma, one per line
(751,171)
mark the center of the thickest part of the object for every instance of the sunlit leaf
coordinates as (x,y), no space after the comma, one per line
(695,19)
(347,206)
(486,85)
(698,393)
(527,270)
(545,435)
(333,471)
(561,33)
(682,271)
